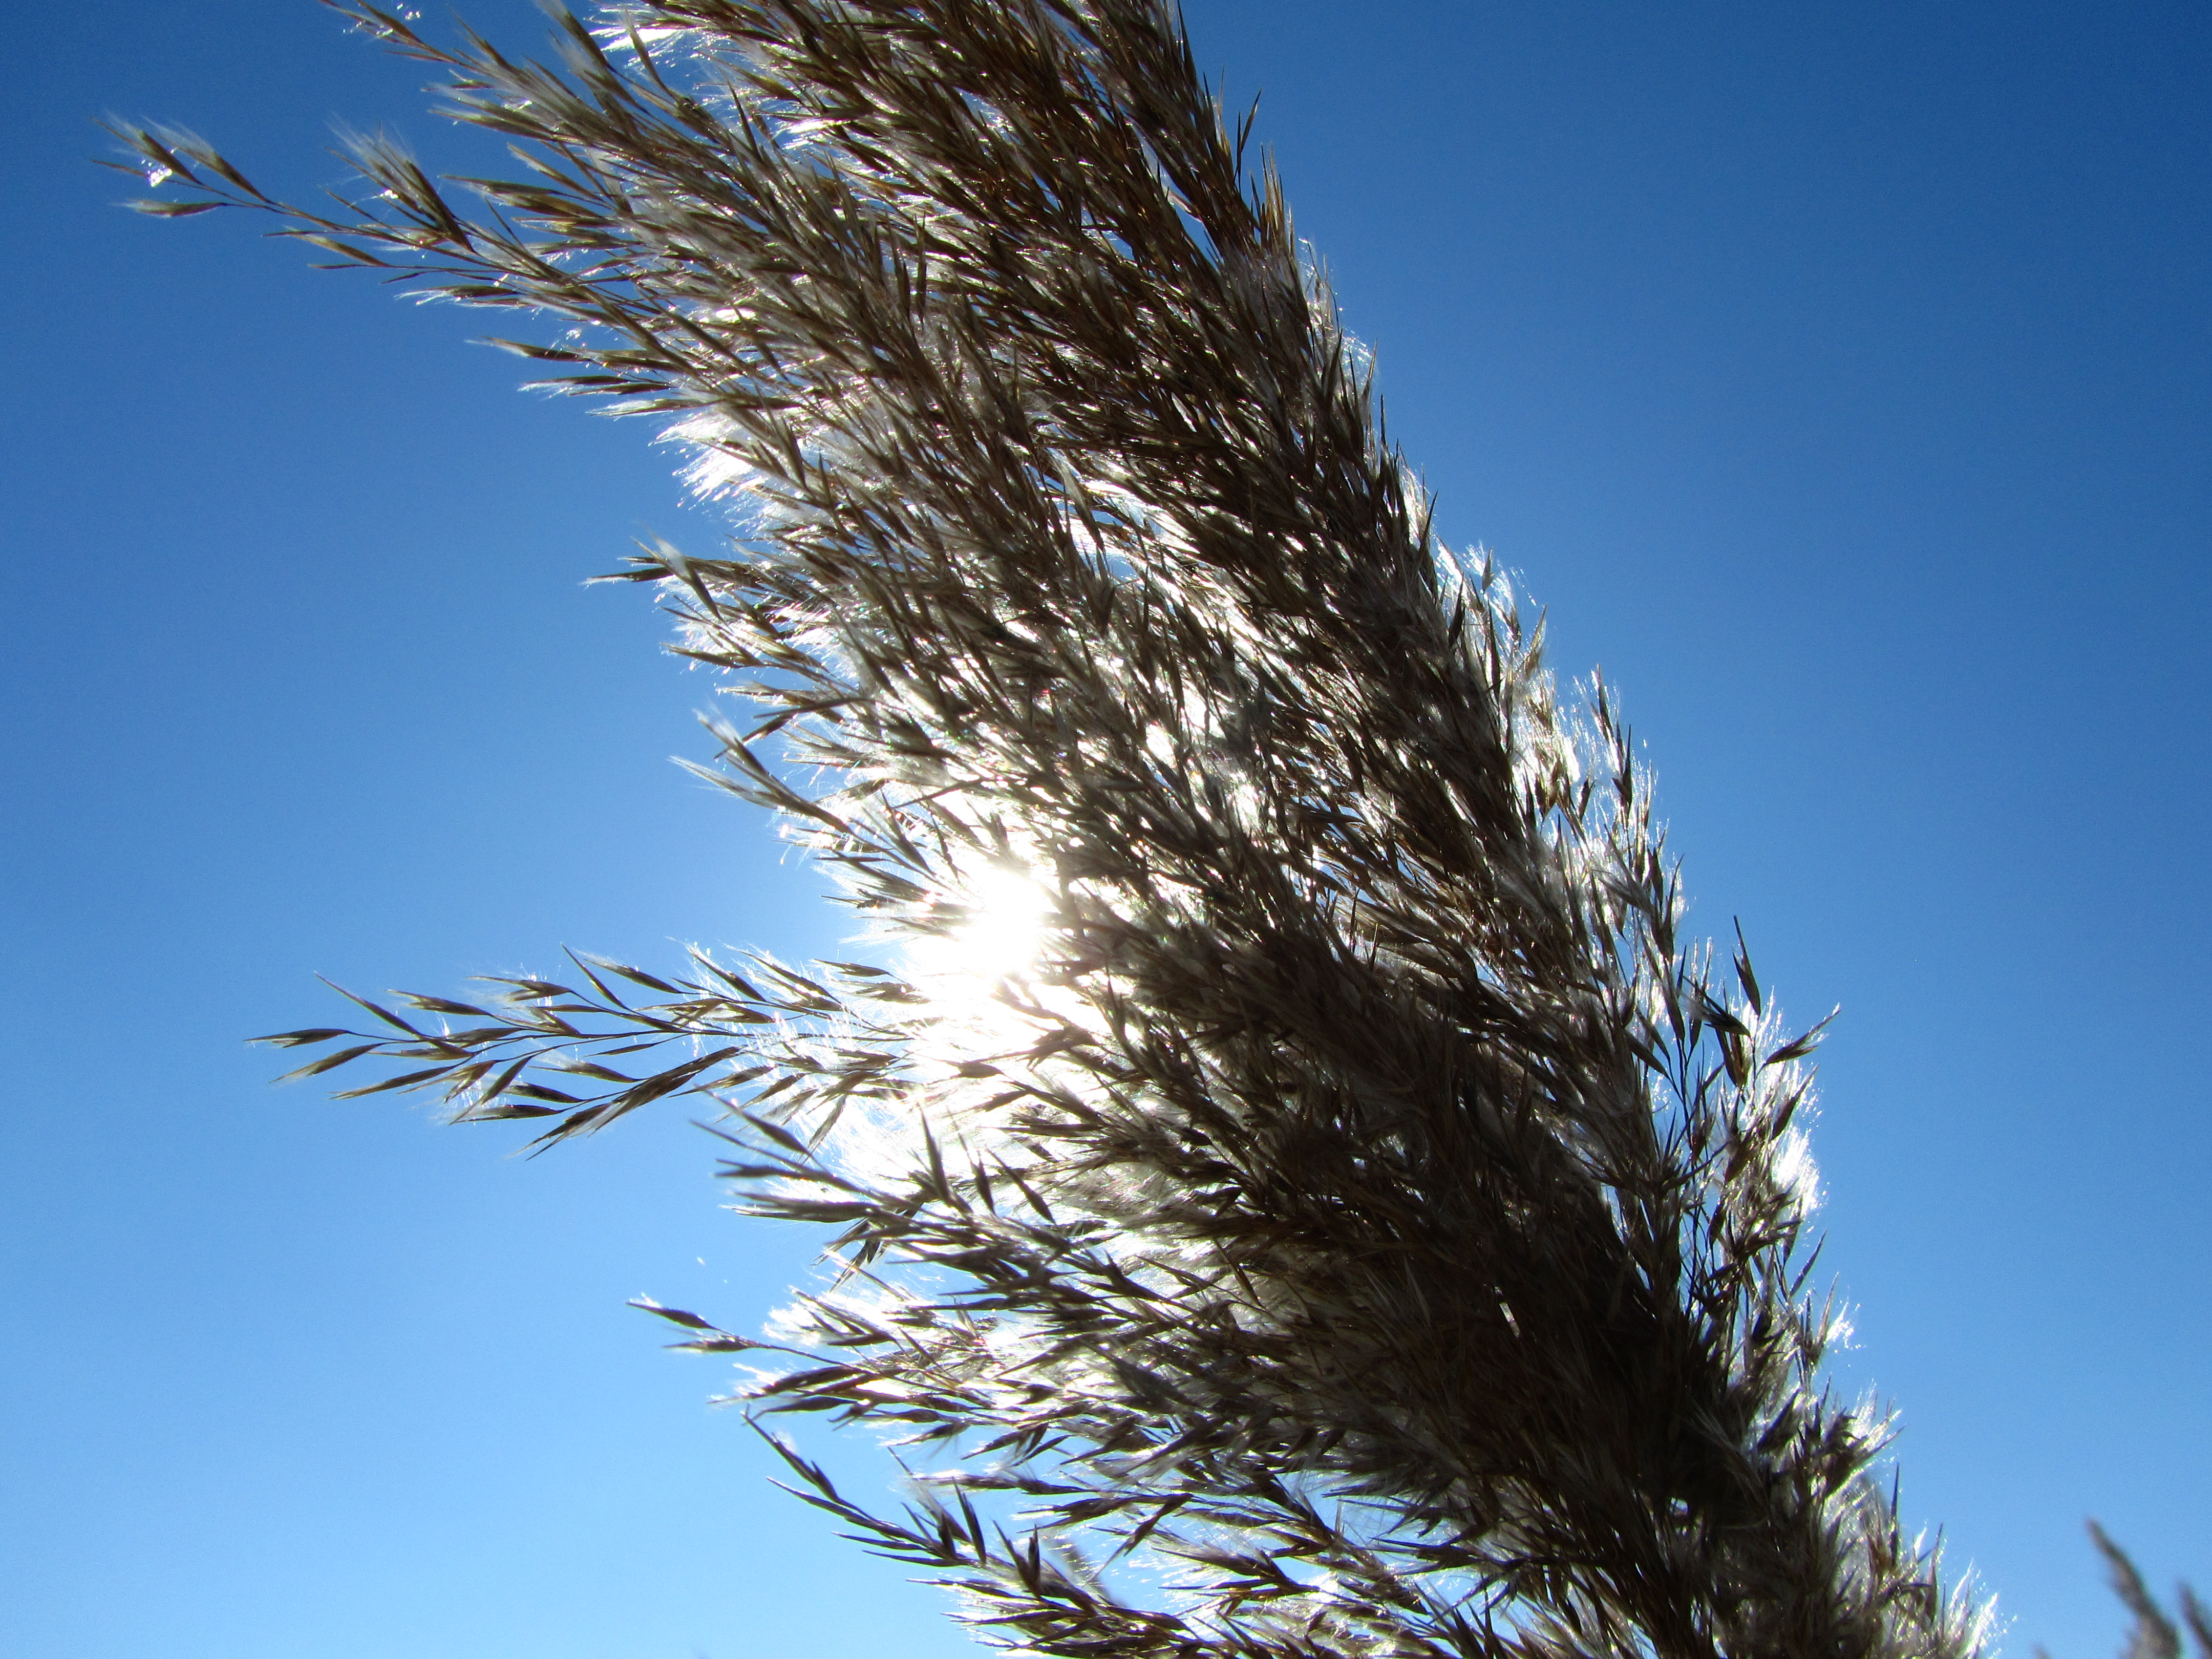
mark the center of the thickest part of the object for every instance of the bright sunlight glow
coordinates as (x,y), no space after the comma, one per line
(999,938)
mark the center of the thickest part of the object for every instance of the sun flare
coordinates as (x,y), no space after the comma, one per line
(997,939)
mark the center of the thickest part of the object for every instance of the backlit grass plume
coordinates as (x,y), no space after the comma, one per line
(1293,1185)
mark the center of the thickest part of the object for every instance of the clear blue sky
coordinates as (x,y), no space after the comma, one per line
(1838,376)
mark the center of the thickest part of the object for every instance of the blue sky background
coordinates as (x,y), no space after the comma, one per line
(1836,374)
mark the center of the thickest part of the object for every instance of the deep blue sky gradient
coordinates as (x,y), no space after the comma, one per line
(1837,375)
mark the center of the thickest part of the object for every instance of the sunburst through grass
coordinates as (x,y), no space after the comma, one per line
(977,959)
(1003,915)
(1315,1164)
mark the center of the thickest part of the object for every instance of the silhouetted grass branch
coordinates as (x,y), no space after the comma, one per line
(1361,1223)
(2153,1635)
